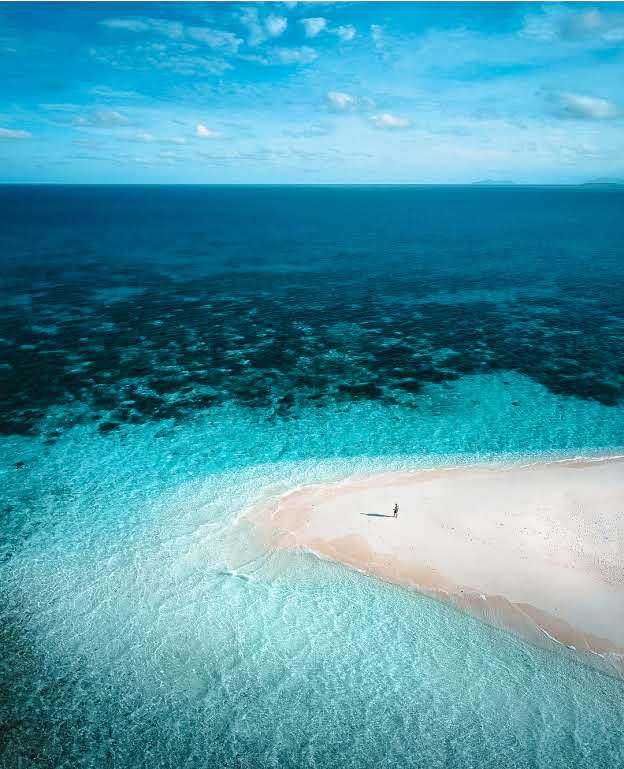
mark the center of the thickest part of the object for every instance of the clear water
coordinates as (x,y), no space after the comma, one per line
(170,356)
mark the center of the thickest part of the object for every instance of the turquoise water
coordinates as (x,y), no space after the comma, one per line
(143,413)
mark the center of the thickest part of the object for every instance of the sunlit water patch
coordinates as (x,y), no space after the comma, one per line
(145,629)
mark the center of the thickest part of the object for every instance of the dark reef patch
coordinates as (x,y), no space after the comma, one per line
(171,357)
(364,307)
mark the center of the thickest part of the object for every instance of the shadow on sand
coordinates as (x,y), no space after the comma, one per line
(378,515)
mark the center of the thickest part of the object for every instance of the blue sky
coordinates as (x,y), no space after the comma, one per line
(311,92)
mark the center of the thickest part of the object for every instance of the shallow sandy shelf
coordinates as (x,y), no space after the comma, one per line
(536,548)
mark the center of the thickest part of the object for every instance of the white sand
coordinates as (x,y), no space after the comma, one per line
(537,549)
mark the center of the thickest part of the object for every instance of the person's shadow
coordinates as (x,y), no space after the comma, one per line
(378,515)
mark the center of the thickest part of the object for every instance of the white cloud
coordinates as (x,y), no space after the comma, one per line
(145,136)
(587,107)
(131,25)
(275,25)
(184,64)
(258,31)
(10,133)
(303,55)
(340,101)
(377,35)
(566,23)
(103,118)
(215,38)
(206,133)
(105,92)
(250,20)
(314,25)
(579,24)
(388,121)
(173,140)
(172,29)
(345,32)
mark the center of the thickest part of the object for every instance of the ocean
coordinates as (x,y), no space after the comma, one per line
(172,356)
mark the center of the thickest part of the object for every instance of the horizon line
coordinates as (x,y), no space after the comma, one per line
(588,183)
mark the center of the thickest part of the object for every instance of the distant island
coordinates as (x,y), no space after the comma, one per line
(603,180)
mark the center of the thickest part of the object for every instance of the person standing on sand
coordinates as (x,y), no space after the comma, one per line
(396,511)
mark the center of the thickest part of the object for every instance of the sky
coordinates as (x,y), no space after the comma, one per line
(311,93)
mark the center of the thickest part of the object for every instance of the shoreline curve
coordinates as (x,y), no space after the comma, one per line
(534,547)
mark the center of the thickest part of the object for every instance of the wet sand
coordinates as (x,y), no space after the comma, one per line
(537,549)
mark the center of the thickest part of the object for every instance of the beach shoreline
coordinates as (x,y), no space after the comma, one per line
(534,547)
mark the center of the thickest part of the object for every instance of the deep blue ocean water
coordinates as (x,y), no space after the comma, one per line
(170,356)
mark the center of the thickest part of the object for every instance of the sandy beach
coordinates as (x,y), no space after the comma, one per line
(537,549)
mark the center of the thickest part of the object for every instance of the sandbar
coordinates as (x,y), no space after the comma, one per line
(535,548)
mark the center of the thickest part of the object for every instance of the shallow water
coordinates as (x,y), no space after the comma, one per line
(169,362)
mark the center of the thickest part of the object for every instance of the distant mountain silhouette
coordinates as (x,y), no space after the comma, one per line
(603,180)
